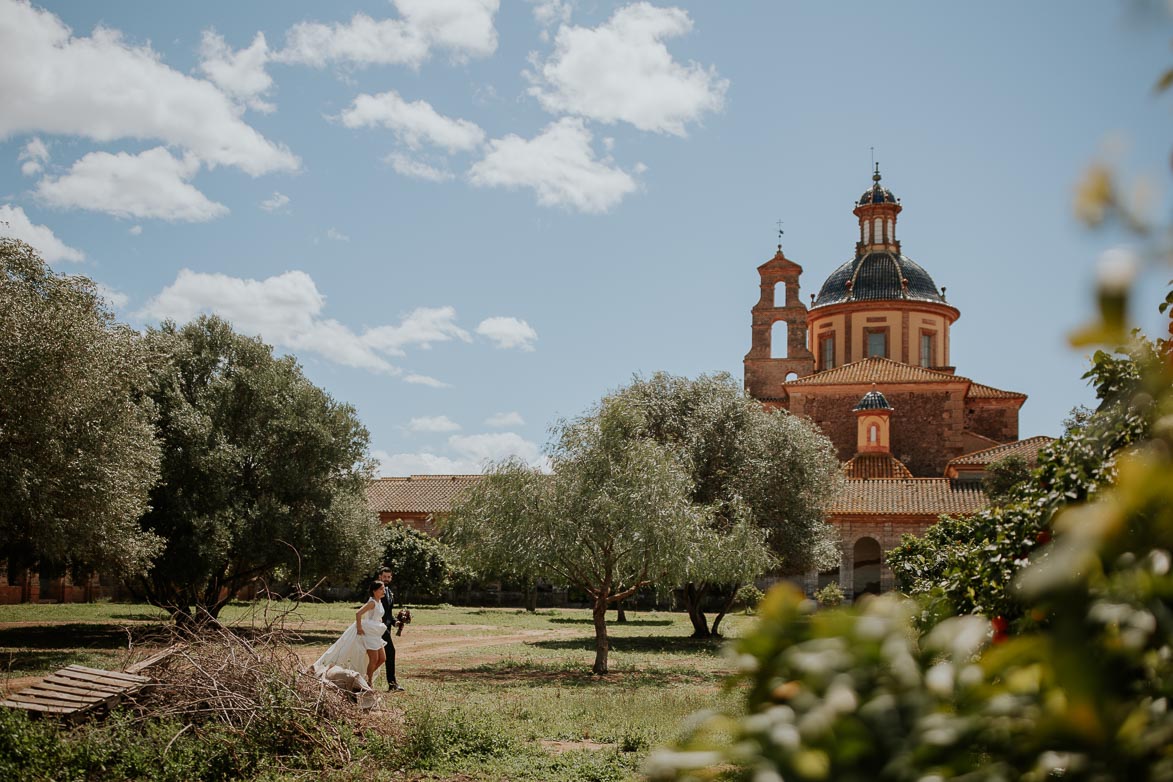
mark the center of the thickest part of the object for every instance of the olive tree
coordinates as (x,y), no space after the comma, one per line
(77,447)
(263,473)
(613,516)
(755,474)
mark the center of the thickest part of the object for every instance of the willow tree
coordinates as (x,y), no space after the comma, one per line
(613,516)
(77,447)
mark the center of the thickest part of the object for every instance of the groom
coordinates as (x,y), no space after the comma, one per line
(389,620)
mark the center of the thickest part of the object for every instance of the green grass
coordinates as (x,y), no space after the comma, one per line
(478,709)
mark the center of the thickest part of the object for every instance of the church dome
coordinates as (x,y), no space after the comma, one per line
(877,195)
(877,276)
(873,400)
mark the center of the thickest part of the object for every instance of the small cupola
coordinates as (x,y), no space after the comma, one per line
(877,209)
(872,416)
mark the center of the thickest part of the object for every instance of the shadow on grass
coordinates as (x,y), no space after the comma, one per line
(537,674)
(644,644)
(629,623)
(83,636)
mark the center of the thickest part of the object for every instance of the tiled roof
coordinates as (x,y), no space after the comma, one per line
(909,497)
(876,370)
(418,493)
(978,391)
(876,465)
(1028,449)
(878,276)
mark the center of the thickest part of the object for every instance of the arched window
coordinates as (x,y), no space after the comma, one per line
(879,229)
(873,434)
(779,347)
(867,232)
(866,569)
(891,229)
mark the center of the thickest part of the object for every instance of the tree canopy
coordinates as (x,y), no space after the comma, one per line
(262,471)
(613,516)
(752,471)
(77,448)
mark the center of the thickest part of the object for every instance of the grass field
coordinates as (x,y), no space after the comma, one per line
(491,693)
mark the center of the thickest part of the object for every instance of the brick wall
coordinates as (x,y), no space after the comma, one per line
(993,418)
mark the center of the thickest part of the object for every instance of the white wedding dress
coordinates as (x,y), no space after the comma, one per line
(350,651)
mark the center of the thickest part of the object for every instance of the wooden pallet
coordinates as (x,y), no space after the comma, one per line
(76,690)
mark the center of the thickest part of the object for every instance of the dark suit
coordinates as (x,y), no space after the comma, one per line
(389,621)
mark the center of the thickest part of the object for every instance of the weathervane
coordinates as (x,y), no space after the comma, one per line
(780,232)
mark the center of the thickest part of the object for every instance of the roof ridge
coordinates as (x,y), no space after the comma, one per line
(839,371)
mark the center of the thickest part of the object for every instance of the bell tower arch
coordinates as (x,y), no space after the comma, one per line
(768,366)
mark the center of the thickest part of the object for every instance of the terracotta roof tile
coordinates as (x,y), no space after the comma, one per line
(979,391)
(417,493)
(908,497)
(876,370)
(876,465)
(1028,449)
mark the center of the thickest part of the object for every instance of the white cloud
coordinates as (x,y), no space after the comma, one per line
(336,235)
(414,123)
(277,202)
(35,154)
(508,333)
(241,74)
(480,448)
(16,224)
(135,230)
(559,165)
(622,71)
(425,380)
(286,311)
(420,328)
(503,420)
(152,184)
(464,27)
(435,423)
(469,455)
(102,88)
(400,464)
(114,298)
(548,13)
(417,169)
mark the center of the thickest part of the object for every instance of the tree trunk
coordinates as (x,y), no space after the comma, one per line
(692,602)
(531,597)
(620,614)
(724,609)
(601,643)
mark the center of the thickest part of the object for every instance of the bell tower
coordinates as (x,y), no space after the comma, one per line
(768,366)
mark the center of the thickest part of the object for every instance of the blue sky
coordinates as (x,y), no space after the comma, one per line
(469,219)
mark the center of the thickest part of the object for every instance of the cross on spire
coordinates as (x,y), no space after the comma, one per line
(780,232)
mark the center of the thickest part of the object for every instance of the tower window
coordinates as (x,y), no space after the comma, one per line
(879,228)
(926,350)
(827,351)
(872,431)
(867,232)
(877,343)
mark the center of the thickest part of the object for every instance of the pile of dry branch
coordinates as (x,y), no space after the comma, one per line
(250,682)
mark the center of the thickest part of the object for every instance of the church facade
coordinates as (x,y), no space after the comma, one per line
(869,362)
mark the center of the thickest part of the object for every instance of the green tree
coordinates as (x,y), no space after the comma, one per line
(1004,477)
(422,564)
(263,473)
(752,471)
(77,447)
(613,517)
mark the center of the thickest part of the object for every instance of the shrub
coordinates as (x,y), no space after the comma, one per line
(831,595)
(748,597)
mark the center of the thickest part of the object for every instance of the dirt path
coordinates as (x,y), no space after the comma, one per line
(425,648)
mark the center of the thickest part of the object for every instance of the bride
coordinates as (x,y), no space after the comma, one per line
(361,646)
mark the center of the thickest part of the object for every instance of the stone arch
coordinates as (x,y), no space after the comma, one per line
(867,560)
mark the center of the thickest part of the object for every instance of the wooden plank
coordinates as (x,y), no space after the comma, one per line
(116,675)
(41,692)
(24,697)
(66,681)
(106,681)
(154,659)
(53,687)
(36,707)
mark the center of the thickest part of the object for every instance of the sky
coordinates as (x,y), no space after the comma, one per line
(470,219)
